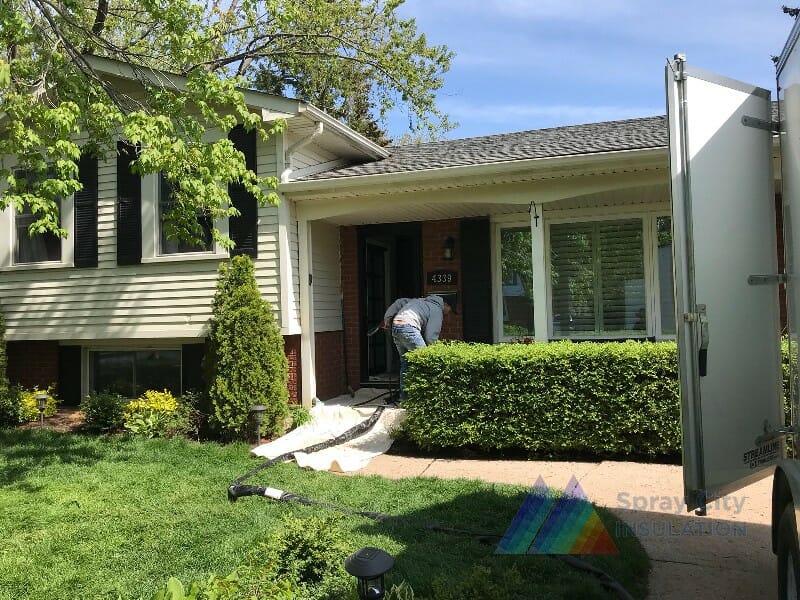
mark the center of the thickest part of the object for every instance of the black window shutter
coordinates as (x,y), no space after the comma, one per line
(129,207)
(69,375)
(243,230)
(476,278)
(86,213)
(192,367)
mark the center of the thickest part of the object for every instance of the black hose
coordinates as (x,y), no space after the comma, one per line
(237,490)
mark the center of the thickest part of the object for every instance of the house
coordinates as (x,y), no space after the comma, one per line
(548,234)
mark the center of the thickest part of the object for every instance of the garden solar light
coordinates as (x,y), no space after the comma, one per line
(258,414)
(41,404)
(369,565)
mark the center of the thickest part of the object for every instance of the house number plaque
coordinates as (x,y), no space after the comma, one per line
(442,277)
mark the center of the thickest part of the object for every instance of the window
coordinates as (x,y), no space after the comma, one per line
(173,246)
(598,279)
(42,247)
(132,372)
(517,281)
(666,295)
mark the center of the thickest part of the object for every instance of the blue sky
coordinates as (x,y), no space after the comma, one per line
(529,64)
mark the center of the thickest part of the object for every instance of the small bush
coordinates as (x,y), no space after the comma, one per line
(300,415)
(29,405)
(553,398)
(160,414)
(10,402)
(310,552)
(103,411)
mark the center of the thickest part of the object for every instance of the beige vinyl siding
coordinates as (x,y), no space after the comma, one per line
(327,277)
(170,299)
(294,254)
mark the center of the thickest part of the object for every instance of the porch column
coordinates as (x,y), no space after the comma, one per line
(539,265)
(308,368)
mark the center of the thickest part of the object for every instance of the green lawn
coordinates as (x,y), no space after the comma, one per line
(89,517)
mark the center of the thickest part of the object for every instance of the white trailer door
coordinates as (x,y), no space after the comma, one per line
(727,314)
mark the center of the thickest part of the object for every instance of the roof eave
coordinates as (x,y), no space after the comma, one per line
(272,106)
(360,142)
(643,156)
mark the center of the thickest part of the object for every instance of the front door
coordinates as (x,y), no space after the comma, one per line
(376,294)
(391,267)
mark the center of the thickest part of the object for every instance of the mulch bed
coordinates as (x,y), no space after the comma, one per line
(67,418)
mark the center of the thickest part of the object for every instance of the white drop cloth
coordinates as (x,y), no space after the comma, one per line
(326,423)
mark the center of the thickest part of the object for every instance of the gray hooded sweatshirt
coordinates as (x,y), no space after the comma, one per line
(423,313)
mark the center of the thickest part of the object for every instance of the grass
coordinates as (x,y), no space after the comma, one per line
(114,517)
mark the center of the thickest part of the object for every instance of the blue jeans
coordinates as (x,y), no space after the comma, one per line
(406,338)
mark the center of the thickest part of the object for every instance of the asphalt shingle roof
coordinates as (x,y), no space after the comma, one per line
(609,136)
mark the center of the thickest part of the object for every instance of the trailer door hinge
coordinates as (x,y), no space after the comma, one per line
(771,126)
(776,279)
(773,434)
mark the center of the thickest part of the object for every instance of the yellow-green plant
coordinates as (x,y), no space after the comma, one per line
(148,414)
(29,405)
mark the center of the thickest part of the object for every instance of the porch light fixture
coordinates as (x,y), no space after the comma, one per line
(258,415)
(368,566)
(41,404)
(449,248)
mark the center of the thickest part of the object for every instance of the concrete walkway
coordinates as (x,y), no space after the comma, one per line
(725,555)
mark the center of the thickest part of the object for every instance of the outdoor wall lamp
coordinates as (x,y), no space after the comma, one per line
(41,404)
(258,414)
(449,248)
(368,566)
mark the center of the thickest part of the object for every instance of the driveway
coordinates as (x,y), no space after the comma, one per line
(724,555)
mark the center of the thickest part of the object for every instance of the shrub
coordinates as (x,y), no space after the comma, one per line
(29,405)
(559,397)
(103,411)
(309,552)
(245,363)
(10,402)
(148,414)
(300,415)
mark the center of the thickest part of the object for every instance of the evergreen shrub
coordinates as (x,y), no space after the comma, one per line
(546,398)
(245,363)
(103,412)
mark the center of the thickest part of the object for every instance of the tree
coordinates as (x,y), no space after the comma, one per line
(50,95)
(245,363)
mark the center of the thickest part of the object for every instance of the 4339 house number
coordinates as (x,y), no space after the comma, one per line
(442,277)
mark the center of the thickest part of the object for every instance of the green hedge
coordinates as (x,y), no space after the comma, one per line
(555,398)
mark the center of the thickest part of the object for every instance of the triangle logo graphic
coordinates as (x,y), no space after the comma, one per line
(547,523)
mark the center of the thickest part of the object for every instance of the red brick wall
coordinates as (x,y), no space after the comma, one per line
(348,237)
(32,364)
(434,234)
(291,346)
(329,364)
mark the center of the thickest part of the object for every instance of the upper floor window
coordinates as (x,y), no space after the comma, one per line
(37,248)
(170,245)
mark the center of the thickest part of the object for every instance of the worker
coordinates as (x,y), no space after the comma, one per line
(415,323)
